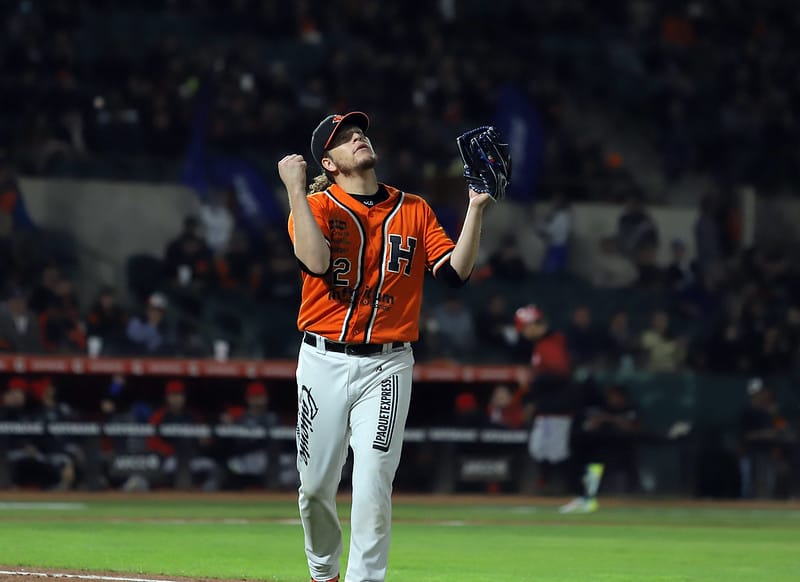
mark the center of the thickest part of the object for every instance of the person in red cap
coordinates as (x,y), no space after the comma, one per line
(29,464)
(550,402)
(202,468)
(247,459)
(364,248)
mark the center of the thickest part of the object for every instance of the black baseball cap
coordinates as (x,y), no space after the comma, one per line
(328,127)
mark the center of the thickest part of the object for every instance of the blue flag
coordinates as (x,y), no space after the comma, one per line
(519,123)
(204,170)
(13,203)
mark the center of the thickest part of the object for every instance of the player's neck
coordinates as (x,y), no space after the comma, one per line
(365,182)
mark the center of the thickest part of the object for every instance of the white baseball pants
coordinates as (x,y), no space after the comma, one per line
(361,401)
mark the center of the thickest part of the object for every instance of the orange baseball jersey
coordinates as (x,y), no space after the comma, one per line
(372,292)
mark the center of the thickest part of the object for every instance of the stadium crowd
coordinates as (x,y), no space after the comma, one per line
(120,89)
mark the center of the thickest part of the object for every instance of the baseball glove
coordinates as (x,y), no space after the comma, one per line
(487,160)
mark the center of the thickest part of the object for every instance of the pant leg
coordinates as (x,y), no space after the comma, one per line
(377,421)
(322,431)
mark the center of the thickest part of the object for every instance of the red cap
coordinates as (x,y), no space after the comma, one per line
(17,383)
(256,389)
(466,402)
(38,387)
(175,387)
(527,314)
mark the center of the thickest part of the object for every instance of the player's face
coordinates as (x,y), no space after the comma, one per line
(352,151)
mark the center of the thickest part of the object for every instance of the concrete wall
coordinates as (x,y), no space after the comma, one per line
(110,220)
(591,222)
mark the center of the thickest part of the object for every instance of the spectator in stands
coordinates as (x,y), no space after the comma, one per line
(774,354)
(604,443)
(505,408)
(583,340)
(549,403)
(456,328)
(610,268)
(127,461)
(19,326)
(496,325)
(467,412)
(248,459)
(662,351)
(766,441)
(218,222)
(677,275)
(30,465)
(60,450)
(189,267)
(44,292)
(108,320)
(622,344)
(708,239)
(636,229)
(726,348)
(274,276)
(555,231)
(235,265)
(505,262)
(148,333)
(62,328)
(182,458)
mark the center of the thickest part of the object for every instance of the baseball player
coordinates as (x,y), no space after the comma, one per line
(363,248)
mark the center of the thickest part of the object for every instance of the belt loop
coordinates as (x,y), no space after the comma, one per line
(320,341)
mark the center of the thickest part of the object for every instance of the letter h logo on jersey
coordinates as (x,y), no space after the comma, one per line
(398,252)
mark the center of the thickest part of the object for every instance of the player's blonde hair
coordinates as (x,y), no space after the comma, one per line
(320,183)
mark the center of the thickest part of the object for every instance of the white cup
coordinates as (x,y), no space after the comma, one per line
(184,275)
(94,345)
(221,349)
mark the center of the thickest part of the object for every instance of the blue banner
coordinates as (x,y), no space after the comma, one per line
(519,123)
(204,170)
(12,203)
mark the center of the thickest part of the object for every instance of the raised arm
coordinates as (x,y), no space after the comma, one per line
(465,252)
(310,247)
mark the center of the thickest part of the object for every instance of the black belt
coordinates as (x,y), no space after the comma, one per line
(352,349)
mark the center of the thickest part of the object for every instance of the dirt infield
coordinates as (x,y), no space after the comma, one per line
(10,574)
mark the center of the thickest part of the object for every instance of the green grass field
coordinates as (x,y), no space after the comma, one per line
(472,539)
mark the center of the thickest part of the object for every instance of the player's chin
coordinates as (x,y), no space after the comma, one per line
(366,160)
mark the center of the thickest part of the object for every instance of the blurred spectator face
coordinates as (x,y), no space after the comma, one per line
(176,401)
(616,398)
(501,397)
(191,245)
(582,317)
(608,245)
(534,330)
(51,276)
(107,300)
(678,251)
(619,322)
(14,398)
(762,399)
(497,304)
(155,315)
(17,305)
(660,322)
(258,401)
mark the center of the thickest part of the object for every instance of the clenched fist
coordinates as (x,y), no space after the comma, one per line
(292,170)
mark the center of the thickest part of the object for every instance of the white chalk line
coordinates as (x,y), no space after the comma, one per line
(47,505)
(79,576)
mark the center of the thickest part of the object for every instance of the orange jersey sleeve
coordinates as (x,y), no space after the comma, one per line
(373,291)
